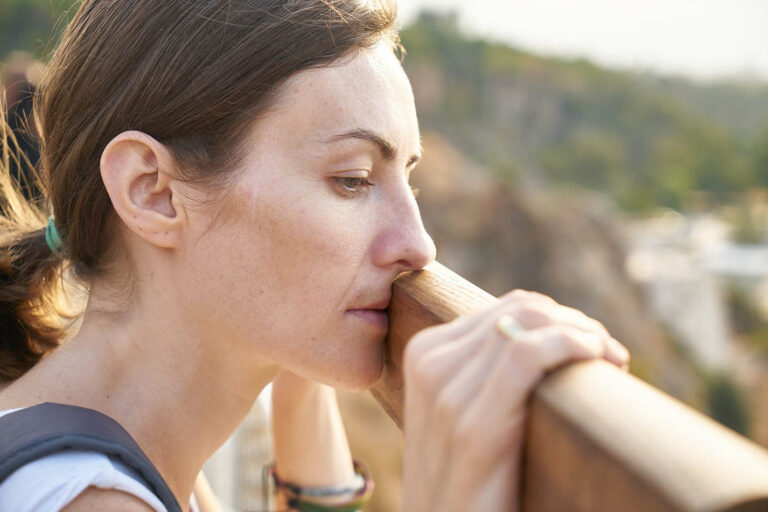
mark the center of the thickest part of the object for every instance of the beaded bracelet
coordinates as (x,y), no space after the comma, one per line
(304,499)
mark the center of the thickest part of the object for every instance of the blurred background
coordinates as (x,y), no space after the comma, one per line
(611,155)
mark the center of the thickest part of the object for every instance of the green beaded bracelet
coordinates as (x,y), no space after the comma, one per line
(304,499)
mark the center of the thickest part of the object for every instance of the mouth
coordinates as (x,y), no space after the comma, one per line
(378,318)
(374,313)
(380,305)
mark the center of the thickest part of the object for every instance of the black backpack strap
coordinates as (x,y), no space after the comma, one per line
(48,428)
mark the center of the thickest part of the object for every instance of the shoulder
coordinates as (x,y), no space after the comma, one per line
(58,480)
(94,498)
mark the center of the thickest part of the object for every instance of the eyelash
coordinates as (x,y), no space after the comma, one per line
(362,182)
(354,188)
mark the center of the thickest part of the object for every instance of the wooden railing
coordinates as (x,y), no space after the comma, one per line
(597,439)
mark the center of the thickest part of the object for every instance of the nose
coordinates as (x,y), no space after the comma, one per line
(404,243)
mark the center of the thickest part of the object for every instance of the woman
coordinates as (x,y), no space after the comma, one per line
(229,179)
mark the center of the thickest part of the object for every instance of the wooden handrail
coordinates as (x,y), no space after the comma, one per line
(597,439)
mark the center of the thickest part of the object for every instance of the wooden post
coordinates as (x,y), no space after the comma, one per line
(597,439)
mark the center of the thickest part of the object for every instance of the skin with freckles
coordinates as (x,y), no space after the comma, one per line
(303,238)
(289,265)
(213,290)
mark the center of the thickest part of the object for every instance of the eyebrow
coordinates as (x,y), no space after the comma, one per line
(387,148)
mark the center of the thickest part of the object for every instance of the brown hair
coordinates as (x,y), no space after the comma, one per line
(193,74)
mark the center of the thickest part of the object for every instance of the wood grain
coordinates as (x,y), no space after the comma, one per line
(597,438)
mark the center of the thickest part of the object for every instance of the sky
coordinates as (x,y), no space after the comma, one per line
(702,39)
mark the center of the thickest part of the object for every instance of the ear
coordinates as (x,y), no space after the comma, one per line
(140,175)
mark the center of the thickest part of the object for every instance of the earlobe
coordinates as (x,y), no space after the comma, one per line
(139,175)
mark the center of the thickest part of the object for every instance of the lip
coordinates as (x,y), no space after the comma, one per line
(380,305)
(376,317)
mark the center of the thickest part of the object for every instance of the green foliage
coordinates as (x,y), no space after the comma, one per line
(727,403)
(29,25)
(749,225)
(589,157)
(647,142)
(746,320)
(760,148)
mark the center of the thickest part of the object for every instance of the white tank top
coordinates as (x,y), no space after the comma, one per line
(50,483)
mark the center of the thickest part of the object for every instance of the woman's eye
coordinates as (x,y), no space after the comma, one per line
(353,185)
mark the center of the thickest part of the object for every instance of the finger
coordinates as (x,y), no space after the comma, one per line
(537,315)
(578,319)
(430,371)
(468,378)
(547,348)
(496,407)
(448,378)
(438,366)
(450,402)
(617,353)
(500,408)
(529,296)
(464,324)
(523,363)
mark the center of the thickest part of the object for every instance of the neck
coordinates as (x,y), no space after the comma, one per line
(179,393)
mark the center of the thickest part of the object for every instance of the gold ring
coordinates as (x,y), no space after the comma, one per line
(508,327)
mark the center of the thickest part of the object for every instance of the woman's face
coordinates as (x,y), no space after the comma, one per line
(318,223)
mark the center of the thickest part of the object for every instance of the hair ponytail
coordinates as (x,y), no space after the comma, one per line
(32,318)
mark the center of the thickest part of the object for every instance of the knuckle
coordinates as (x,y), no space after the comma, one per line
(570,334)
(593,323)
(623,351)
(543,298)
(532,314)
(424,336)
(411,356)
(517,294)
(528,295)
(599,327)
(579,341)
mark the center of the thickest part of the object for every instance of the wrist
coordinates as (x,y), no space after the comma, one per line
(336,498)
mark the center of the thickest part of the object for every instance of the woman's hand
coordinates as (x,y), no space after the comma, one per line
(467,387)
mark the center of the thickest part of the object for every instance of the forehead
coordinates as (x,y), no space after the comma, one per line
(367,89)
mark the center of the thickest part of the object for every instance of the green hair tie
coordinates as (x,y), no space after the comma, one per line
(52,237)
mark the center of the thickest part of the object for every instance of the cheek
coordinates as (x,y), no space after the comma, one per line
(296,256)
(311,252)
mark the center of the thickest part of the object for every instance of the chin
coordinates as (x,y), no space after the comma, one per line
(357,382)
(355,375)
